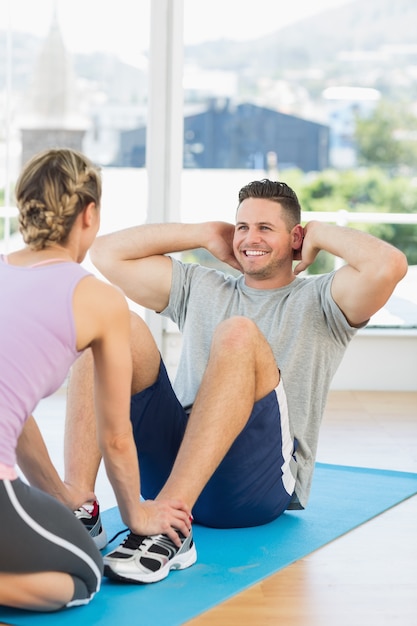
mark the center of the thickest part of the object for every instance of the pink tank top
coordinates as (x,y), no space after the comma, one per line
(37,341)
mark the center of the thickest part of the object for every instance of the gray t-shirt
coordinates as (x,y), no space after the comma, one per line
(305,328)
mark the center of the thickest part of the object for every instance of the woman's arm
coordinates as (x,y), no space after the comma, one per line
(34,461)
(107,323)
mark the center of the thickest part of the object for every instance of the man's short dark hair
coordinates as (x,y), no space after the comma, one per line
(276,191)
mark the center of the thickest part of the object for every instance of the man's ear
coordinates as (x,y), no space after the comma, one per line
(298,236)
(297,242)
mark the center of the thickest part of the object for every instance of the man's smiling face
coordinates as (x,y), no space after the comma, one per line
(263,243)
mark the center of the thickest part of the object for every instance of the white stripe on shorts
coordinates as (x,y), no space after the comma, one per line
(288,479)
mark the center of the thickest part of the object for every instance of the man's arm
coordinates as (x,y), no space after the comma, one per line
(134,258)
(373,268)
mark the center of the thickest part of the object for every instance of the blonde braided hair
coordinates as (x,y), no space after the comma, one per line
(52,189)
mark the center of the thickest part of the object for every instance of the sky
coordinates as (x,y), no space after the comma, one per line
(121,27)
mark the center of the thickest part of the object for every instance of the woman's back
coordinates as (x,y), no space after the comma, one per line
(37,339)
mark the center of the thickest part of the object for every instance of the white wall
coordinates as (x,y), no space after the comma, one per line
(379,360)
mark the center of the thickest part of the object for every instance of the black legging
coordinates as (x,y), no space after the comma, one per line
(39,534)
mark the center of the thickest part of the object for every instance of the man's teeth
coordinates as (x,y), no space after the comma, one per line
(254,252)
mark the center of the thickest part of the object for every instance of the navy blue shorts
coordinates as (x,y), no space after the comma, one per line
(255,481)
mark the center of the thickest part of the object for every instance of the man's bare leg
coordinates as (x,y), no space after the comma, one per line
(81,453)
(240,371)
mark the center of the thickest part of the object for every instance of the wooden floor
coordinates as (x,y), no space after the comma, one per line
(369,576)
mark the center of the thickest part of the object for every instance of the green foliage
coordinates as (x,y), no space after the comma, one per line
(387,138)
(364,190)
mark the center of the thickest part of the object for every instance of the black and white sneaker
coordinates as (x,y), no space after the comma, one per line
(149,559)
(89,516)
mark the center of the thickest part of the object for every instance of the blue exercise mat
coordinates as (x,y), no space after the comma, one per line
(230,561)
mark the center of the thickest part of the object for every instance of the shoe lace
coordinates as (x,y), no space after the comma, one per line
(124,530)
(133,541)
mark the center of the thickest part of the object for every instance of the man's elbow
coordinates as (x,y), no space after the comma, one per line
(398,266)
(387,272)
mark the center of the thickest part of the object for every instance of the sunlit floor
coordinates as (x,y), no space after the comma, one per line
(368,576)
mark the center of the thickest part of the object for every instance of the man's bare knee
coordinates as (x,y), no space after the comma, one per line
(236,331)
(239,338)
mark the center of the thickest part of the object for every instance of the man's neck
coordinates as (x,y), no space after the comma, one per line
(275,282)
